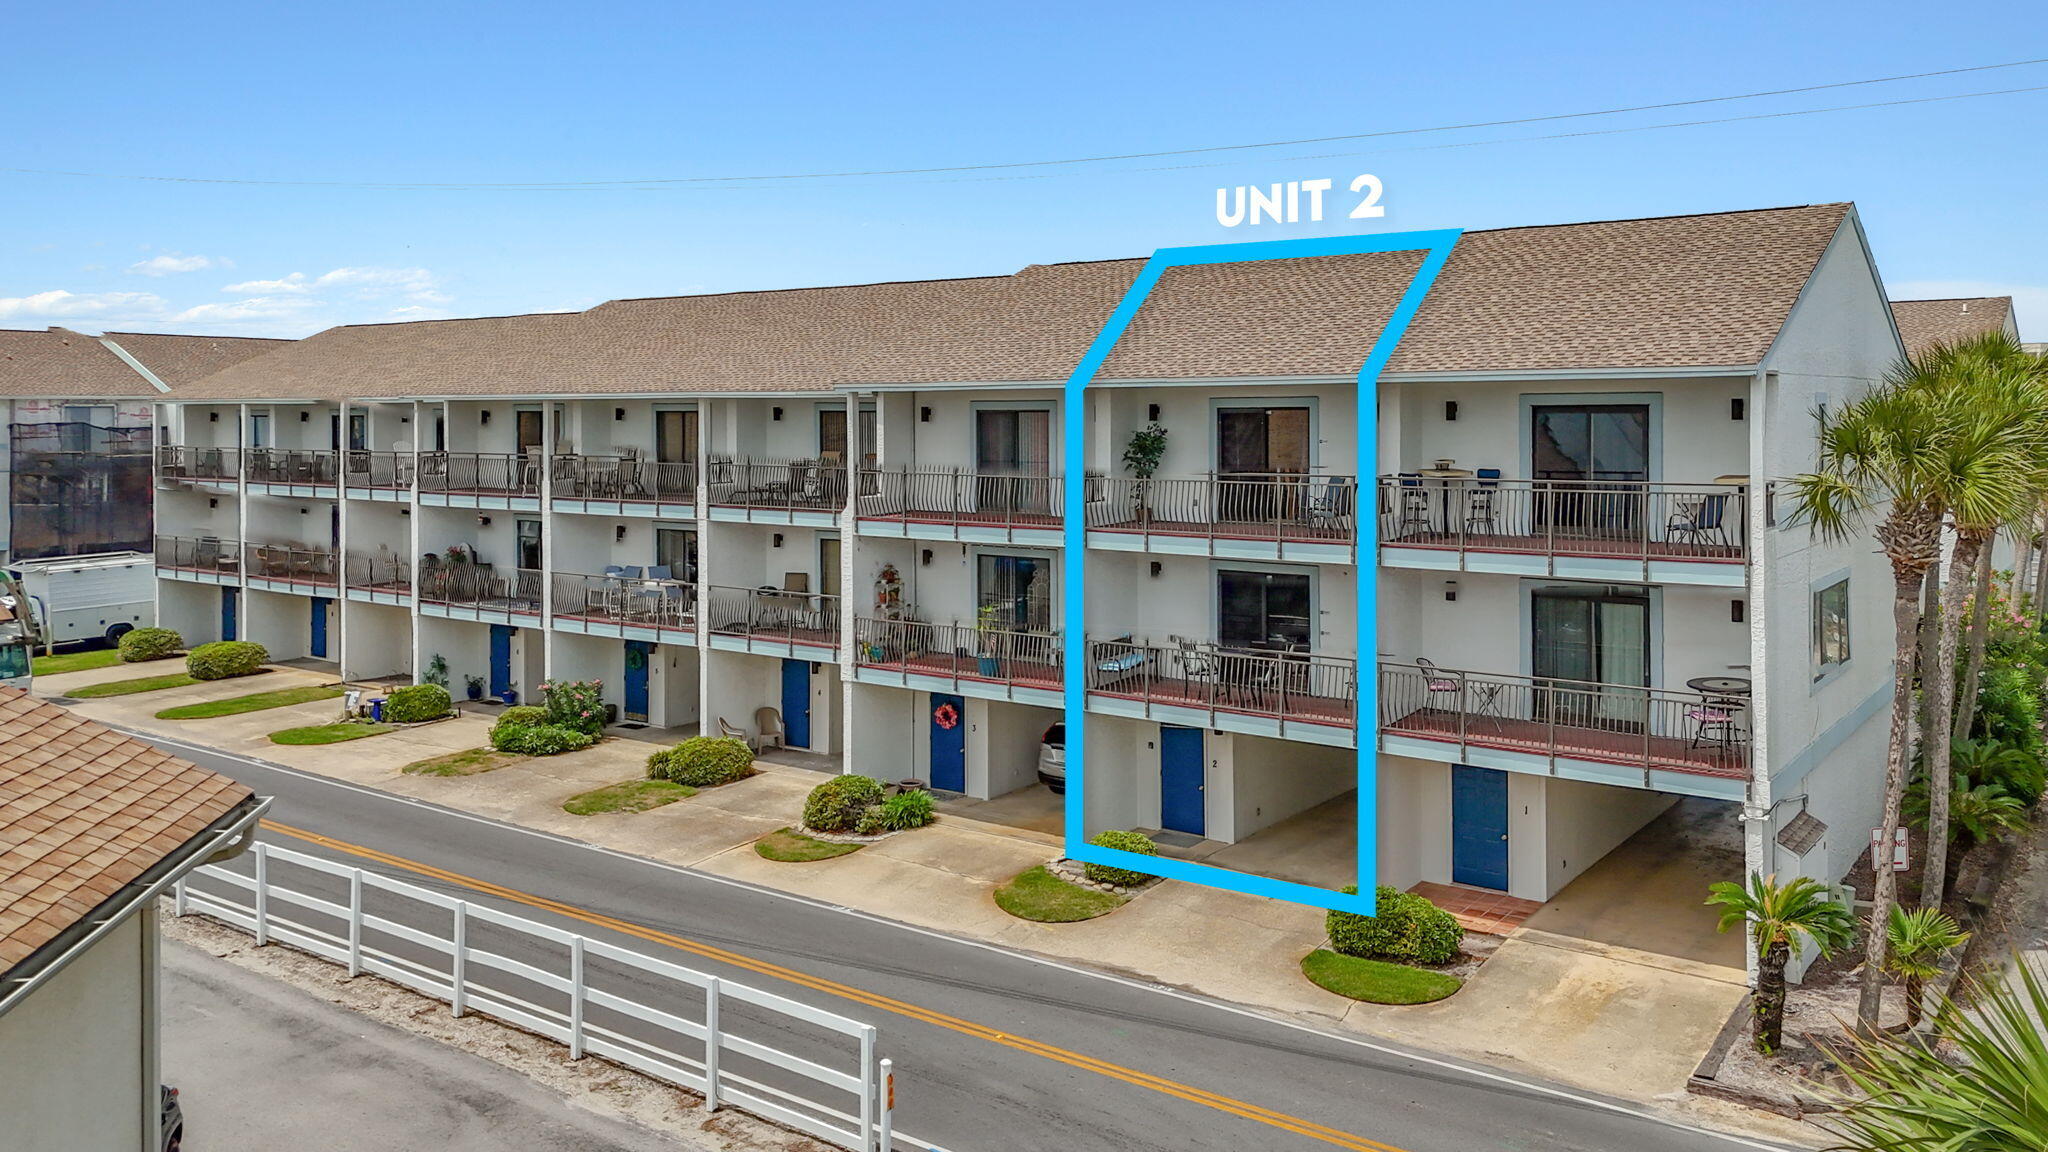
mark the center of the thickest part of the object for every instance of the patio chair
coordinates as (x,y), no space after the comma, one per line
(1479,502)
(661,572)
(1198,663)
(1713,722)
(1440,685)
(1117,660)
(1700,520)
(1329,508)
(730,731)
(1415,504)
(769,721)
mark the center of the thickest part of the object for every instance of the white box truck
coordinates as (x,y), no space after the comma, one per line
(96,597)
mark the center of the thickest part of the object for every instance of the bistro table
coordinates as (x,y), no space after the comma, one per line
(1721,699)
(1447,482)
(1730,687)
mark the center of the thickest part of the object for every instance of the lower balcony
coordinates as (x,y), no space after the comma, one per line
(380,579)
(992,663)
(204,559)
(472,589)
(1695,742)
(1297,695)
(630,603)
(291,567)
(773,621)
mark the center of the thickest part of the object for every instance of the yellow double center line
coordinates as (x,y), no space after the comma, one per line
(1086,1063)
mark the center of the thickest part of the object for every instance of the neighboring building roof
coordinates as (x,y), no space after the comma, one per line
(1679,292)
(85,811)
(58,362)
(1925,323)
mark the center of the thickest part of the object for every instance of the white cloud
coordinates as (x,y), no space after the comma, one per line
(295,282)
(253,308)
(378,280)
(170,264)
(2029,301)
(58,304)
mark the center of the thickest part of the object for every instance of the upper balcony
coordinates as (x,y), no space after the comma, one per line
(368,475)
(1290,694)
(808,492)
(1695,743)
(961,504)
(292,471)
(203,465)
(623,485)
(509,480)
(1247,516)
(985,662)
(1580,529)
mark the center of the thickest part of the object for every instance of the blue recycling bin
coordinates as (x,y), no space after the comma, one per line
(377,709)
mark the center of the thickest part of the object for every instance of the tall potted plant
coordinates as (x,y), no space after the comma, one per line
(1147,447)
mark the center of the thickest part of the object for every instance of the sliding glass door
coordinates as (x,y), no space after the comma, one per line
(1262,462)
(1264,610)
(1014,593)
(1598,455)
(1012,458)
(1590,652)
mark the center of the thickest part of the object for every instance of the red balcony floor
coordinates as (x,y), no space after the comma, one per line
(1603,745)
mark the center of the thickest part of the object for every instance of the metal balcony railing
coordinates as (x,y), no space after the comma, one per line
(199,554)
(643,601)
(624,478)
(959,652)
(1298,508)
(383,573)
(786,485)
(480,473)
(1695,732)
(292,465)
(1623,519)
(180,462)
(773,614)
(290,563)
(1291,686)
(367,469)
(472,584)
(960,496)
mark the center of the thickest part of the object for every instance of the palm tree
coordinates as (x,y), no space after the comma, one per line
(1994,1097)
(1978,814)
(1779,915)
(1880,451)
(1988,472)
(1919,939)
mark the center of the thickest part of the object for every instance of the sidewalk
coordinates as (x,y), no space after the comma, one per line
(1557,1003)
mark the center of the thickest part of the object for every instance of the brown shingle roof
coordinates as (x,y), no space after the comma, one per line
(58,362)
(1681,291)
(84,811)
(1925,323)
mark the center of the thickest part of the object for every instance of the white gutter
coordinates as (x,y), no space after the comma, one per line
(132,362)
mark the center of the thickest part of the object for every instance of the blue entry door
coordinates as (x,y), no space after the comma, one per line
(316,645)
(639,654)
(949,745)
(796,702)
(1183,765)
(228,604)
(1479,827)
(501,658)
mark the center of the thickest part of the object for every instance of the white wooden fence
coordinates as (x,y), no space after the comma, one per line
(691,1041)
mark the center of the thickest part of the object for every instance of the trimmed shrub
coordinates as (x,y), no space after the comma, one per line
(577,704)
(522,716)
(223,659)
(1408,927)
(1126,841)
(702,761)
(538,739)
(418,702)
(148,644)
(837,804)
(905,810)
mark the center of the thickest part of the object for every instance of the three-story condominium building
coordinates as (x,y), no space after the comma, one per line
(835,516)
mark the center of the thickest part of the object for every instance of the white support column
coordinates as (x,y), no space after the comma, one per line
(412,562)
(1759,856)
(707,724)
(849,545)
(241,521)
(547,551)
(341,452)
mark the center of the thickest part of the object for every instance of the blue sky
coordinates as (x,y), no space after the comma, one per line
(1951,193)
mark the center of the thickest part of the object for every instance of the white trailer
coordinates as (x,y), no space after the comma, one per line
(96,597)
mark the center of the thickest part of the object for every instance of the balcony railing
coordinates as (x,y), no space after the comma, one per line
(290,563)
(1296,508)
(959,652)
(786,485)
(292,465)
(961,497)
(199,554)
(480,473)
(366,469)
(773,614)
(1631,520)
(469,584)
(650,603)
(1292,686)
(1609,723)
(624,478)
(180,462)
(379,573)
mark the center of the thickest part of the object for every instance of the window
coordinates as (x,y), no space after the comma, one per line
(359,430)
(1264,610)
(529,544)
(1830,628)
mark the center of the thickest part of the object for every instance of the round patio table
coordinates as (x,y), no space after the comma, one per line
(1719,685)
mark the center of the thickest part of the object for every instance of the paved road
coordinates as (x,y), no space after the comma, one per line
(261,1065)
(1006,1053)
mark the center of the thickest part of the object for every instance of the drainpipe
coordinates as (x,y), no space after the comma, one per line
(1757,855)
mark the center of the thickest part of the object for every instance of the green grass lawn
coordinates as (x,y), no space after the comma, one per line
(467,762)
(129,687)
(632,796)
(330,733)
(793,847)
(77,661)
(1037,894)
(256,702)
(1376,981)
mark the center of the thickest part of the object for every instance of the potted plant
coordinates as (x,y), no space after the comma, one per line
(510,696)
(1142,455)
(988,626)
(475,686)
